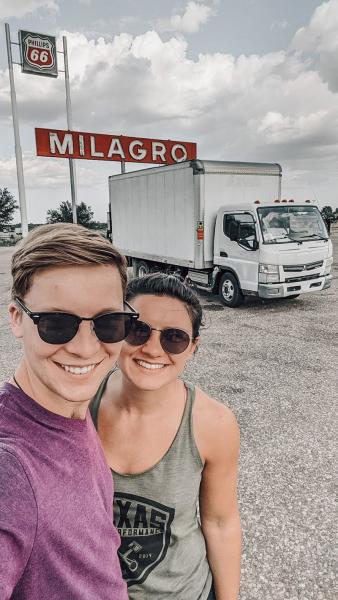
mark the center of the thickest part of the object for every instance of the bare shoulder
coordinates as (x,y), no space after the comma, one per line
(215,427)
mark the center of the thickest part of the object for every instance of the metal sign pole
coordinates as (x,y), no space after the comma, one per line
(18,152)
(72,171)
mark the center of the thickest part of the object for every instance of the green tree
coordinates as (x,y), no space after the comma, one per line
(64,214)
(327,213)
(7,207)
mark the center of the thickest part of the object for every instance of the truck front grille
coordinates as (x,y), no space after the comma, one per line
(307,267)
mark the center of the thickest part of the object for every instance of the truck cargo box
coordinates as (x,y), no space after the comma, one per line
(167,214)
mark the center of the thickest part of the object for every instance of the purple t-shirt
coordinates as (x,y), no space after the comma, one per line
(57,538)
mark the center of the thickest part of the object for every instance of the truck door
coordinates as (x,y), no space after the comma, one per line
(241,254)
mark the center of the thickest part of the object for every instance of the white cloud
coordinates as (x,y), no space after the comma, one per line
(320,35)
(196,15)
(48,172)
(278,128)
(20,8)
(319,40)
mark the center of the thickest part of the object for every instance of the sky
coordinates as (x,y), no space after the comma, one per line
(251,80)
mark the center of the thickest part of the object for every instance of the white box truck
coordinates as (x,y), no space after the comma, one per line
(224,226)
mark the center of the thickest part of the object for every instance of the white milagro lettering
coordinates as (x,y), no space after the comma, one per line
(182,149)
(81,145)
(158,149)
(67,146)
(93,151)
(141,152)
(116,148)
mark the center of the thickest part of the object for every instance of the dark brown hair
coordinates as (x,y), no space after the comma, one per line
(163,284)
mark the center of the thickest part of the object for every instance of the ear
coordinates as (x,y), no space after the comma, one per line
(194,347)
(15,318)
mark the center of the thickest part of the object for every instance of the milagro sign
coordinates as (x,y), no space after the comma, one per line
(38,53)
(99,146)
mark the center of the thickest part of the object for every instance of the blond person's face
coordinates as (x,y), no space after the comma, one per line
(64,377)
(149,366)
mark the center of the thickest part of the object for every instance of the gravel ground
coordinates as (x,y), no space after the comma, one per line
(275,364)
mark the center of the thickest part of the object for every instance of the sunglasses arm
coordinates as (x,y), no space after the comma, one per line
(132,309)
(35,318)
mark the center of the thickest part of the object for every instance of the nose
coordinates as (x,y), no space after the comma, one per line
(84,343)
(152,347)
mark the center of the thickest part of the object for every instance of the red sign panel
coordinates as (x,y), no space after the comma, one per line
(99,146)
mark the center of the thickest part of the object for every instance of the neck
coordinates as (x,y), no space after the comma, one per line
(133,399)
(28,383)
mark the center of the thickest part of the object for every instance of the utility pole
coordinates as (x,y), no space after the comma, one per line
(72,171)
(18,151)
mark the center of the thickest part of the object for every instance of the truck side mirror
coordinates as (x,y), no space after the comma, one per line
(234,230)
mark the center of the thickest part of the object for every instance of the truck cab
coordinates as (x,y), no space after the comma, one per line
(277,249)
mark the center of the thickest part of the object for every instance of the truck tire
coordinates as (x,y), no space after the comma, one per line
(142,268)
(229,290)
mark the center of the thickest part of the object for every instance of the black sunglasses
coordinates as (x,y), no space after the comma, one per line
(60,327)
(172,340)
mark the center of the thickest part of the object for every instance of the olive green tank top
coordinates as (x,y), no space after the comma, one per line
(162,552)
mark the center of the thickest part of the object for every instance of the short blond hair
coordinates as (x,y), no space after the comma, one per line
(61,245)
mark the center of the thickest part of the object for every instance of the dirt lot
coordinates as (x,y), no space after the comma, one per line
(275,365)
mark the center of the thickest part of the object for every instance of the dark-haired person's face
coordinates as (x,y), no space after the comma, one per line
(149,366)
(64,377)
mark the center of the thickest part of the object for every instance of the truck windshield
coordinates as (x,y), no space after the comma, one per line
(283,224)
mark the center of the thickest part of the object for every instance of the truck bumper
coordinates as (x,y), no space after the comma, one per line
(283,290)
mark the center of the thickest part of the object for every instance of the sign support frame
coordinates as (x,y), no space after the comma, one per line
(18,151)
(72,169)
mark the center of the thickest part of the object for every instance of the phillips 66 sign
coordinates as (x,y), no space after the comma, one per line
(38,53)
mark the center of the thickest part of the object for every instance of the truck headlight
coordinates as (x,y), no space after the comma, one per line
(328,265)
(268,273)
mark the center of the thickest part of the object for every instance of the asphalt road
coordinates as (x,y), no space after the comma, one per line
(275,364)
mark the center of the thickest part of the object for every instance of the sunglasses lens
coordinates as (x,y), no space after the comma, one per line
(57,328)
(174,341)
(113,327)
(139,333)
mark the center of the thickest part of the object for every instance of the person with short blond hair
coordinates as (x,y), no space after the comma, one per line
(57,538)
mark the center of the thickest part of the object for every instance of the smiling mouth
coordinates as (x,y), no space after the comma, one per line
(77,370)
(150,366)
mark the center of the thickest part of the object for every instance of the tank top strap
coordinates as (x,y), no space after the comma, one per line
(94,405)
(184,443)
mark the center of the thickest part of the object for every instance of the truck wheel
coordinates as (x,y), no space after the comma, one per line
(142,268)
(229,291)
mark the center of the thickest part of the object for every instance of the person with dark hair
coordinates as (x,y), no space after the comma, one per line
(173,454)
(57,538)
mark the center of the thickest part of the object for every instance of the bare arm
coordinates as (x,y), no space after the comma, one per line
(217,436)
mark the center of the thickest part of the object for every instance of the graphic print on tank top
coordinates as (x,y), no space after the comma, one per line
(145,529)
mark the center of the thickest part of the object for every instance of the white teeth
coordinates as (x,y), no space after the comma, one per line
(150,366)
(78,370)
